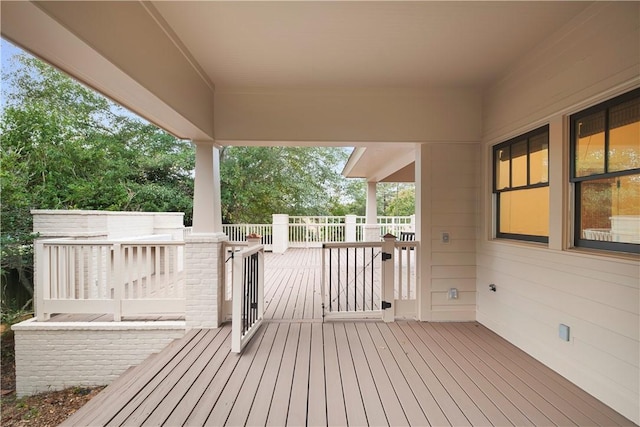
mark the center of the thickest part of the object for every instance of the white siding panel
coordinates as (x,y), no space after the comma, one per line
(460,284)
(455,258)
(455,233)
(464,298)
(454,206)
(595,57)
(455,246)
(466,193)
(453,272)
(594,53)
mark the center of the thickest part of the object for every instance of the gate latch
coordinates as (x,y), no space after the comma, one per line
(386,256)
(386,305)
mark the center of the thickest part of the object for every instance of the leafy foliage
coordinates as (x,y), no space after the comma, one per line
(259,181)
(66,147)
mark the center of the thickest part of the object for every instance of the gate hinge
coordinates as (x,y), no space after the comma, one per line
(386,305)
(254,305)
(386,256)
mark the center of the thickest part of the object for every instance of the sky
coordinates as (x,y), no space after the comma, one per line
(7,51)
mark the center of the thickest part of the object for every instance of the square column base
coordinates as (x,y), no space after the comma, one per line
(372,233)
(203,283)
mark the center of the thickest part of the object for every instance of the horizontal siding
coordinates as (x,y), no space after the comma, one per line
(595,53)
(454,207)
(595,57)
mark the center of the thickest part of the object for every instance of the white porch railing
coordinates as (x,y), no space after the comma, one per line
(313,231)
(239,233)
(230,249)
(405,280)
(120,277)
(395,224)
(248,295)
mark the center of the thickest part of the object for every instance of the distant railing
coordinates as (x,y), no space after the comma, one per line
(396,224)
(314,231)
(120,277)
(239,233)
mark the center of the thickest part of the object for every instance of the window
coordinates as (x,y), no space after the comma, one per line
(605,170)
(521,185)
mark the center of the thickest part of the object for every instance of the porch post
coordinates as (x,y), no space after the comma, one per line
(280,233)
(371,228)
(207,213)
(203,248)
(388,277)
(350,234)
(423,231)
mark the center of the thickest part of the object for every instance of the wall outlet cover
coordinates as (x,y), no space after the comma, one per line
(564,332)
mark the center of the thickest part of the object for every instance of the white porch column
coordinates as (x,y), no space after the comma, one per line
(350,232)
(423,230)
(371,228)
(207,213)
(280,233)
(203,248)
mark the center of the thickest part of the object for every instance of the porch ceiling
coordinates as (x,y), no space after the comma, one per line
(290,72)
(319,44)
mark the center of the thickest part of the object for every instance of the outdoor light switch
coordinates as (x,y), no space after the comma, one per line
(445,237)
(453,293)
(564,332)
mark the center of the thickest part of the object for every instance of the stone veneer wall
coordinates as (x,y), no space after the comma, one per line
(56,355)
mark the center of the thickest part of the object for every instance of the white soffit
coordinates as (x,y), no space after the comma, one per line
(381,163)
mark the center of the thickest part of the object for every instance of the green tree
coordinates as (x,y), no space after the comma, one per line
(67,147)
(404,204)
(395,198)
(259,181)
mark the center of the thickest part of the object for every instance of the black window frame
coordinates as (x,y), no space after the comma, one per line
(524,137)
(605,106)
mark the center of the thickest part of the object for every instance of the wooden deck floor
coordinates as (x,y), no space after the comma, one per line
(293,285)
(352,373)
(299,371)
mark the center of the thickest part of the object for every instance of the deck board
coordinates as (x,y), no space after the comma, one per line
(297,409)
(299,371)
(335,396)
(409,401)
(566,390)
(344,373)
(354,406)
(281,396)
(388,398)
(430,407)
(316,394)
(370,398)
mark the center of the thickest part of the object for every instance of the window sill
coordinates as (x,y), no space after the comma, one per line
(623,257)
(603,254)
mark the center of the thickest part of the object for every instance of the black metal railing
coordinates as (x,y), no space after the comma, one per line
(250,292)
(352,277)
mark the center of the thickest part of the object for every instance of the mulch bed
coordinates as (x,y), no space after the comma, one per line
(41,410)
